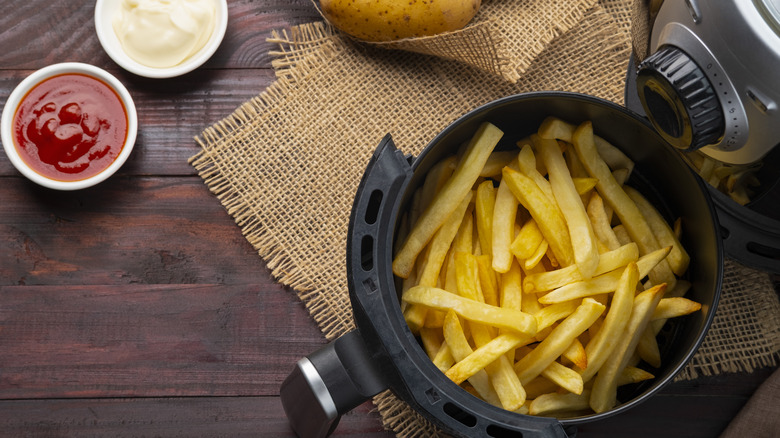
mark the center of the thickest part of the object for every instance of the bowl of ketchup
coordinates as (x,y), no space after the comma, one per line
(69,126)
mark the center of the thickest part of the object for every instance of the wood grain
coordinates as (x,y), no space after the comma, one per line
(150,340)
(175,417)
(150,230)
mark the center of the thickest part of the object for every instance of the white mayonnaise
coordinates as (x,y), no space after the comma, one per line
(164,33)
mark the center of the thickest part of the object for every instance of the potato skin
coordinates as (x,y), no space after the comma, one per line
(389,20)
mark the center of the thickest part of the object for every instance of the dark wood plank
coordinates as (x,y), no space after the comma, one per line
(123,231)
(190,417)
(150,340)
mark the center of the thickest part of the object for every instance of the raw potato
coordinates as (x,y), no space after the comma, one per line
(390,20)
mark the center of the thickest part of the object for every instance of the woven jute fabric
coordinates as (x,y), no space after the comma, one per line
(286,164)
(504,38)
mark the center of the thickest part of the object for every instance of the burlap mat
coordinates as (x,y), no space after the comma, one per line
(287,163)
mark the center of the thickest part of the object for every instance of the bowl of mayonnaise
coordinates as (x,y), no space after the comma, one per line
(160,38)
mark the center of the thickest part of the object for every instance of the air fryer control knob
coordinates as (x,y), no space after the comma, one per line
(679,99)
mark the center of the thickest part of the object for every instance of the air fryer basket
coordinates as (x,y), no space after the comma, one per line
(396,359)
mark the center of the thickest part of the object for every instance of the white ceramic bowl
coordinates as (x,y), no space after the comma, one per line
(15,98)
(106,10)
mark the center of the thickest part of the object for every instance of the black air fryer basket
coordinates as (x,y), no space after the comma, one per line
(382,352)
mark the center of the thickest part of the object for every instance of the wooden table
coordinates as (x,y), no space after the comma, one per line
(137,308)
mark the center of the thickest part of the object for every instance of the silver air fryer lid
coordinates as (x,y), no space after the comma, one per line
(709,87)
(710,81)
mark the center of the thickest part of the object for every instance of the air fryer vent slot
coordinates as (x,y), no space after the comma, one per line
(460,415)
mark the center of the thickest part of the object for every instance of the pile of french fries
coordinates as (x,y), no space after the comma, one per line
(536,278)
(737,181)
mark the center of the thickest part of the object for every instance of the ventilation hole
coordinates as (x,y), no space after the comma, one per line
(763,250)
(500,432)
(374,202)
(460,415)
(724,233)
(367,253)
(758,102)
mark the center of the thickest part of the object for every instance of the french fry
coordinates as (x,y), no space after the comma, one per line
(527,240)
(622,234)
(539,386)
(433,318)
(549,315)
(523,410)
(503,378)
(487,280)
(584,185)
(633,375)
(467,276)
(532,306)
(463,242)
(439,246)
(576,354)
(605,340)
(604,391)
(485,202)
(528,164)
(460,348)
(558,340)
(648,349)
(542,250)
(443,358)
(564,377)
(431,341)
(674,307)
(678,258)
(504,214)
(551,403)
(583,240)
(553,127)
(614,157)
(511,292)
(546,213)
(463,177)
(435,179)
(671,307)
(483,356)
(508,319)
(608,261)
(511,288)
(575,165)
(603,283)
(600,220)
(621,176)
(630,216)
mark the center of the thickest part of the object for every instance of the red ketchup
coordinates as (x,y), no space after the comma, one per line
(70,127)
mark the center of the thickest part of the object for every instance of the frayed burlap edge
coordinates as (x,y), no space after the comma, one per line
(247,216)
